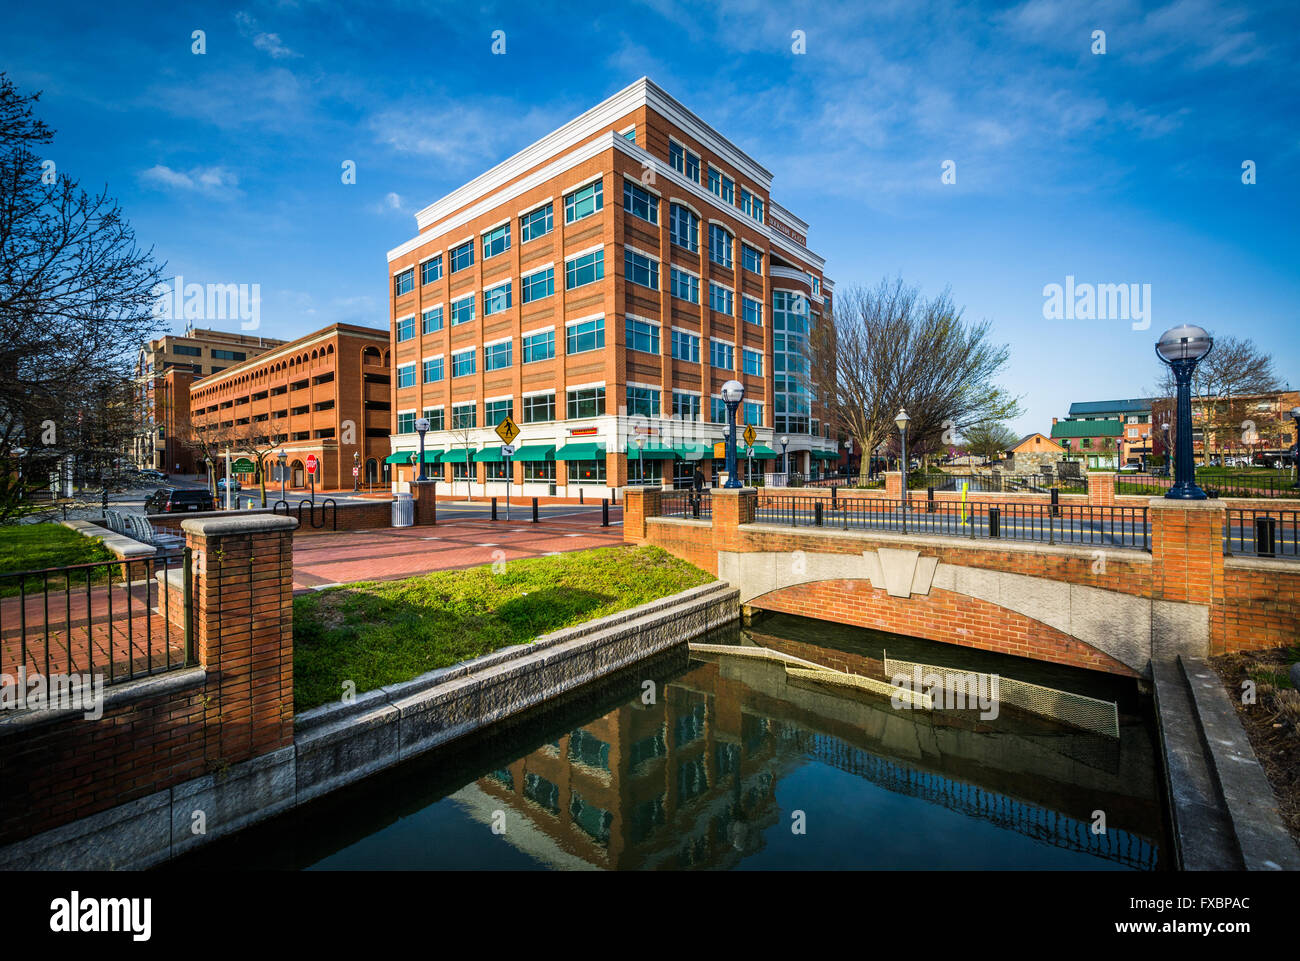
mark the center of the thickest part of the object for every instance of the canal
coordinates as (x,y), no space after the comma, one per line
(711,760)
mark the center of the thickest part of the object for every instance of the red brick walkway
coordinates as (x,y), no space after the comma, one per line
(402,552)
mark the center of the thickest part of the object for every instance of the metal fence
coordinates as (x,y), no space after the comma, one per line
(997,483)
(687,504)
(113,619)
(1215,485)
(1262,533)
(1046,523)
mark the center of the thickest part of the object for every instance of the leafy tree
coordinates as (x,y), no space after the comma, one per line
(989,440)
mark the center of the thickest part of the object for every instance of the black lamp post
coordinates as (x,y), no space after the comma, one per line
(282,459)
(1295,450)
(733,392)
(1119,452)
(422,428)
(785,458)
(1182,348)
(1169,451)
(356,472)
(902,420)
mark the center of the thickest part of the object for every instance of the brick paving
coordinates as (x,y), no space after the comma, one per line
(390,553)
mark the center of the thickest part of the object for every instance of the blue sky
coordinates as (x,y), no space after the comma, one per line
(1124,167)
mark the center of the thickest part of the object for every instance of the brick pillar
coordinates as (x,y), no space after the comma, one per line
(732,506)
(243,632)
(638,504)
(894,485)
(1187,558)
(1101,489)
(424,495)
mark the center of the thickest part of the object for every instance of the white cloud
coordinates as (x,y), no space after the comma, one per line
(213,181)
(268,43)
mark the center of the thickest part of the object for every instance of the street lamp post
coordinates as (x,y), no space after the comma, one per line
(902,420)
(785,458)
(282,458)
(1295,451)
(1182,348)
(421,428)
(733,392)
(1119,453)
(1169,451)
(356,472)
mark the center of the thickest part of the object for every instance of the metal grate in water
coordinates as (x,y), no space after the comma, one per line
(1077,710)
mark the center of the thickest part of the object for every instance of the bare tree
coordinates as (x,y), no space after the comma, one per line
(886,348)
(75,300)
(989,440)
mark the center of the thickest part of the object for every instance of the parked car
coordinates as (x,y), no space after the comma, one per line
(1130,468)
(225,482)
(153,475)
(178,500)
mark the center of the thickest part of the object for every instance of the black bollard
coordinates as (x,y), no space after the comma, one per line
(604,512)
(534,510)
(494,508)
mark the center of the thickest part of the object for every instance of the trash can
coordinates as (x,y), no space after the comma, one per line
(1266,536)
(403,510)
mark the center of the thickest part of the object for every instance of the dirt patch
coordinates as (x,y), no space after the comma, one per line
(1272,723)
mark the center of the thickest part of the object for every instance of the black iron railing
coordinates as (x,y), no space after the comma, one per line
(118,619)
(688,504)
(1047,523)
(1262,533)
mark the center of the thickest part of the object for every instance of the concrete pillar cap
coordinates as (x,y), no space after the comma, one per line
(248,524)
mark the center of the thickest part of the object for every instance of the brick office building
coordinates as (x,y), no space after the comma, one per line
(325,394)
(164,404)
(600,286)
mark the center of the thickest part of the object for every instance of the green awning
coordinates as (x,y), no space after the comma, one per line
(760,452)
(431,456)
(657,452)
(825,455)
(457,455)
(694,451)
(581,452)
(489,455)
(401,457)
(537,452)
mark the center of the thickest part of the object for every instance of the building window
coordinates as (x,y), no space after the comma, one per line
(431,270)
(406,375)
(539,285)
(640,203)
(717,410)
(496,241)
(584,202)
(584,270)
(462,310)
(683,161)
(585,336)
(431,320)
(539,470)
(462,256)
(753,310)
(498,356)
(751,205)
(722,185)
(536,223)
(405,328)
(751,259)
(753,361)
(586,471)
(720,243)
(686,346)
(539,346)
(639,269)
(754,413)
(406,423)
(433,370)
(684,285)
(722,355)
(404,282)
(462,363)
(686,406)
(495,411)
(497,299)
(186,351)
(643,401)
(642,336)
(629,134)
(721,299)
(539,408)
(464,416)
(588,402)
(436,418)
(684,227)
(228,355)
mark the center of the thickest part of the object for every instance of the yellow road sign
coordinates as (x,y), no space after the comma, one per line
(507,430)
(720,449)
(749,435)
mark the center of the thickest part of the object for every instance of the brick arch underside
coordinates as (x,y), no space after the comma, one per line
(941,615)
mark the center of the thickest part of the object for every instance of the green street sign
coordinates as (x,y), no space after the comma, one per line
(244,466)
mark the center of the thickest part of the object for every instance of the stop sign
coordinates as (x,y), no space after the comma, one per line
(311,463)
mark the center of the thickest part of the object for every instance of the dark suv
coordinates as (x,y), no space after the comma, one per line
(178,500)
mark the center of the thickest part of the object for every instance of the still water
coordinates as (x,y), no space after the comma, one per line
(740,763)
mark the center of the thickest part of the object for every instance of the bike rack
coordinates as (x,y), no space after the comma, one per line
(311,512)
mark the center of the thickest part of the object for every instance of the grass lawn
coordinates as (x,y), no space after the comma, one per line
(31,547)
(383,632)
